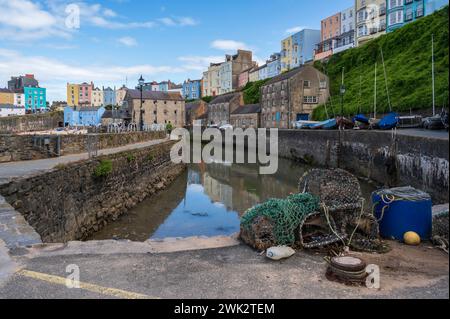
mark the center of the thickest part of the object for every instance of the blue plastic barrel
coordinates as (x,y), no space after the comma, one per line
(405,209)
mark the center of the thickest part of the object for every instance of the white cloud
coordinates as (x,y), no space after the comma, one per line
(180,22)
(23,20)
(295,29)
(199,63)
(109,13)
(54,74)
(128,41)
(187,21)
(24,15)
(228,45)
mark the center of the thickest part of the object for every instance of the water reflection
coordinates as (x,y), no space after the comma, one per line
(207,200)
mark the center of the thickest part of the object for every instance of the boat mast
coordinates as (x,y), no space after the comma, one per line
(433,75)
(386,81)
(360,104)
(375,94)
(342,91)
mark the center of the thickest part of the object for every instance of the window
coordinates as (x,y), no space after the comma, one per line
(306,84)
(310,99)
(396,17)
(323,84)
(409,14)
(419,10)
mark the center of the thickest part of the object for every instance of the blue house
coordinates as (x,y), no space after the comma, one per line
(274,65)
(192,89)
(35,99)
(164,86)
(401,12)
(83,116)
(109,96)
(302,46)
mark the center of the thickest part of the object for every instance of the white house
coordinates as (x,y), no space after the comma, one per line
(19,99)
(11,110)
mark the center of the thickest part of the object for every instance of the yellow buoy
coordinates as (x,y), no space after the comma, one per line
(411,238)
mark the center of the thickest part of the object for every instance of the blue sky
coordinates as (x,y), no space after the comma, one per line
(162,39)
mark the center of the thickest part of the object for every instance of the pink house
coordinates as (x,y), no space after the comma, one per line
(86,93)
(243,78)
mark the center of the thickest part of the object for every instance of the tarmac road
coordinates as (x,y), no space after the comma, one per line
(231,272)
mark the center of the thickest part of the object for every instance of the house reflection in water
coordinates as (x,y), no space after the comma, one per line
(208,200)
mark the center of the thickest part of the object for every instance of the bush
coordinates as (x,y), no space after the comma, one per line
(103,169)
(131,158)
(207,99)
(252,92)
(169,128)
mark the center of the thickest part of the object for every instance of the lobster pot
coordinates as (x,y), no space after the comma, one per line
(401,210)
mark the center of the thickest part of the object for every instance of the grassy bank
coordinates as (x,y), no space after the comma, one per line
(407,55)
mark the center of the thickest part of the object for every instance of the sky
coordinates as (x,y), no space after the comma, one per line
(116,41)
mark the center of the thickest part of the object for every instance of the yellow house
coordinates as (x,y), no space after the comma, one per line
(370,20)
(6,96)
(286,54)
(73,94)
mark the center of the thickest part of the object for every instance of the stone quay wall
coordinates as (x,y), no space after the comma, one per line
(388,159)
(31,123)
(23,147)
(72,202)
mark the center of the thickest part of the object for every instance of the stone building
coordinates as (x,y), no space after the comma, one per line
(195,111)
(292,96)
(222,78)
(220,108)
(247,116)
(157,108)
(120,95)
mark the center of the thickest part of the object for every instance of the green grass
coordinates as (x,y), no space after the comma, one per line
(103,169)
(407,55)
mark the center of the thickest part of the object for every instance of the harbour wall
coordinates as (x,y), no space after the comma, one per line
(71,202)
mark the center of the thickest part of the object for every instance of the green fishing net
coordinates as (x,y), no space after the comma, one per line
(286,215)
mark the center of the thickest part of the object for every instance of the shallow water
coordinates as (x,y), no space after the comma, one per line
(207,200)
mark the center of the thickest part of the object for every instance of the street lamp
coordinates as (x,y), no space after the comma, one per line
(141,118)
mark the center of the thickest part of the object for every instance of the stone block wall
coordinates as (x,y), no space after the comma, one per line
(21,148)
(389,160)
(30,123)
(70,203)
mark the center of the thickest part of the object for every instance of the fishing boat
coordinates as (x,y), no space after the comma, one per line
(410,121)
(437,121)
(433,122)
(301,125)
(325,125)
(388,122)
